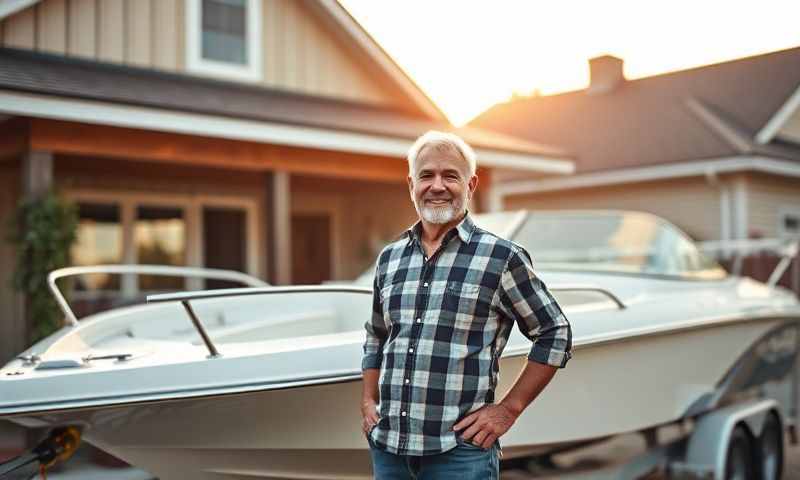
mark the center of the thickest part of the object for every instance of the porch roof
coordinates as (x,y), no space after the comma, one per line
(49,86)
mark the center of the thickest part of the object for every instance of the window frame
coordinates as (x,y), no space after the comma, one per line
(195,63)
(192,206)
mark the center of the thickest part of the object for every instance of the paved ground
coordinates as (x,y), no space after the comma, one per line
(589,461)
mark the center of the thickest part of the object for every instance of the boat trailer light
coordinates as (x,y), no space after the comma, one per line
(59,446)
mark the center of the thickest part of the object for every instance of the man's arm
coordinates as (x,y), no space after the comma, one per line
(525,299)
(489,423)
(369,399)
(371,361)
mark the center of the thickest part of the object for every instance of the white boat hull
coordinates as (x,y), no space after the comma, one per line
(313,432)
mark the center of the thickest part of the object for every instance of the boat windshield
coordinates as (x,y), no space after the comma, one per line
(623,242)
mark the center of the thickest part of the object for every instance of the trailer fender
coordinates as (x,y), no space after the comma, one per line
(707,448)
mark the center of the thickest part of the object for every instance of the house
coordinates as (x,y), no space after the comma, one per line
(714,149)
(266,136)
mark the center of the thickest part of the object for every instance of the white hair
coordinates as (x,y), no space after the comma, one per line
(444,143)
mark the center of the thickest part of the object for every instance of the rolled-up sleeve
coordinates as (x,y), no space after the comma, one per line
(525,298)
(376,330)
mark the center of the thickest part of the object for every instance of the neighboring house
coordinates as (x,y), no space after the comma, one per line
(714,149)
(266,136)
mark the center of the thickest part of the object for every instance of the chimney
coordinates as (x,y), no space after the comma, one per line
(606,74)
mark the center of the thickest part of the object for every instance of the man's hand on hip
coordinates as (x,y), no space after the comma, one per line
(369,415)
(486,424)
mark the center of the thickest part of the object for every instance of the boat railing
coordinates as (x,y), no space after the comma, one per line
(786,249)
(158,270)
(588,288)
(185,298)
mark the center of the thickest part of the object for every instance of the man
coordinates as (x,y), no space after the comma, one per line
(446,295)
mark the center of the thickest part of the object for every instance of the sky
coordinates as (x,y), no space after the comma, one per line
(468,55)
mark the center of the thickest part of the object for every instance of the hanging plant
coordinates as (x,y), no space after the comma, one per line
(43,230)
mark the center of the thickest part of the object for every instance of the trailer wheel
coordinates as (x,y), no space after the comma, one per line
(739,463)
(770,449)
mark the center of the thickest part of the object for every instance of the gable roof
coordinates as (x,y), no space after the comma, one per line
(334,13)
(31,82)
(342,24)
(707,112)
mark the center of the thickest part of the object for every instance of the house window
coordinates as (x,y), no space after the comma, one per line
(176,230)
(160,239)
(224,38)
(790,224)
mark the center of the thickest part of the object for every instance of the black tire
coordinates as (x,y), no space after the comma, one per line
(739,462)
(770,449)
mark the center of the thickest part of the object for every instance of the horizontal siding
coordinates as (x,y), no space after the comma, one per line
(298,52)
(690,204)
(767,195)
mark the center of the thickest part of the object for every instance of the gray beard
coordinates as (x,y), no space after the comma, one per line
(441,215)
(438,216)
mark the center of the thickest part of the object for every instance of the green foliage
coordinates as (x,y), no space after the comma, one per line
(43,231)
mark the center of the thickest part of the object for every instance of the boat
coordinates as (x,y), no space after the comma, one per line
(265,382)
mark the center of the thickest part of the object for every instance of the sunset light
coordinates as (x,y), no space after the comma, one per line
(469,55)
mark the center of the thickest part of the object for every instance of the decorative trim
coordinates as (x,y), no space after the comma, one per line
(779,119)
(659,172)
(195,63)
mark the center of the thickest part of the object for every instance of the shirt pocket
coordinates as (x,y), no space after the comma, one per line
(392,303)
(465,305)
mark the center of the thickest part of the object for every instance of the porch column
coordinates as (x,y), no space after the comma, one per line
(36,178)
(37,173)
(740,208)
(281,228)
(490,198)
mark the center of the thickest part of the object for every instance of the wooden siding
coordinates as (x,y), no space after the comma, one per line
(365,216)
(12,336)
(298,52)
(767,196)
(82,34)
(111,35)
(691,204)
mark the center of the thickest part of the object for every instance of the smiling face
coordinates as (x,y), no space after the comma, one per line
(441,185)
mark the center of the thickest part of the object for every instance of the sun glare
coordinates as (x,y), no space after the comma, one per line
(469,55)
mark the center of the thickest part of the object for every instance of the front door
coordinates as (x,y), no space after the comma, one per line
(311,248)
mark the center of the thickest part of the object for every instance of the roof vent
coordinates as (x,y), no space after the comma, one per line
(606,74)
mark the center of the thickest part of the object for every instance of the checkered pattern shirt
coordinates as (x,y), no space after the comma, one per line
(439,325)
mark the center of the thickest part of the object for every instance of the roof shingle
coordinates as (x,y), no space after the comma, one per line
(705,112)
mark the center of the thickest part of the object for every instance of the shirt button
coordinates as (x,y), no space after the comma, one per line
(419,320)
(425,284)
(410,350)
(408,381)
(402,414)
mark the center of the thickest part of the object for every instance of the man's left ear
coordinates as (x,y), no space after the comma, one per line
(473,184)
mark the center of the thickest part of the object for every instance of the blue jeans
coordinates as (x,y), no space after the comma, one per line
(465,462)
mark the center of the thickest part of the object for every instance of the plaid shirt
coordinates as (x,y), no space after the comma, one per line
(438,328)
